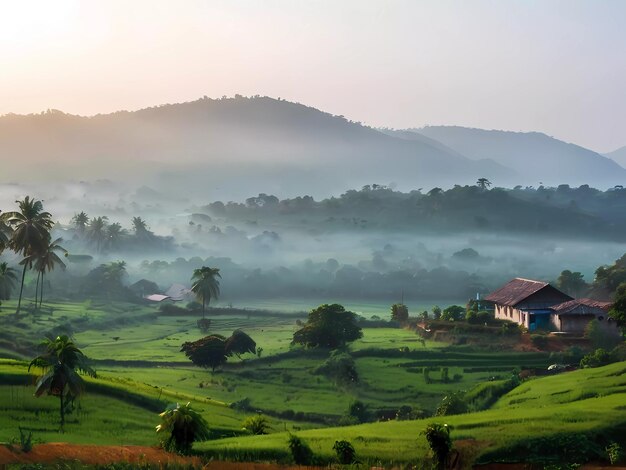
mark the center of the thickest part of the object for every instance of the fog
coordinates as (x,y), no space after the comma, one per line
(268,248)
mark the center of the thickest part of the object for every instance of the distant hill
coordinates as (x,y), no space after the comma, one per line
(618,155)
(535,157)
(248,145)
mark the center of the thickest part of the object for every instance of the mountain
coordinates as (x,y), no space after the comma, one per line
(618,155)
(534,156)
(250,145)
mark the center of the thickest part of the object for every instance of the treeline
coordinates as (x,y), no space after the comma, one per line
(573,212)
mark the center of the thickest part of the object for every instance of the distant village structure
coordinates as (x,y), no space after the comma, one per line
(538,305)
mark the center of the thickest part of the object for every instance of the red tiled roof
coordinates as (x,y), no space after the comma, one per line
(581,305)
(515,291)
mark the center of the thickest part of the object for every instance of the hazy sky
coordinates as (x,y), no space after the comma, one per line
(548,65)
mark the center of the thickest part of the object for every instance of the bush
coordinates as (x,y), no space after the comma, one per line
(345,452)
(600,357)
(181,427)
(358,410)
(614,452)
(539,341)
(438,437)
(453,313)
(339,367)
(301,453)
(452,404)
(256,425)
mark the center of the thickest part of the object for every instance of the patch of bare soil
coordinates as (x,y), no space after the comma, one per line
(102,455)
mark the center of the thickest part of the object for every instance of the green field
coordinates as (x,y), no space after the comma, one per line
(136,352)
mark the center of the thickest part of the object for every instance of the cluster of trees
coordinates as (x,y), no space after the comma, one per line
(99,234)
(582,211)
(328,326)
(27,232)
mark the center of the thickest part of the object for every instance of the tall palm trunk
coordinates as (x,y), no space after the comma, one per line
(37,287)
(203,301)
(19,301)
(41,295)
(62,409)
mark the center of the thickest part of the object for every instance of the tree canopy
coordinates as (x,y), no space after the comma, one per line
(329,326)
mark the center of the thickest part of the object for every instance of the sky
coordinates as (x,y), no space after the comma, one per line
(555,66)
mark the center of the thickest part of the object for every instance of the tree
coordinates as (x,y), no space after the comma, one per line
(328,326)
(8,279)
(47,260)
(438,437)
(571,283)
(140,228)
(399,313)
(96,232)
(453,313)
(256,425)
(80,222)
(436,312)
(181,426)
(61,362)
(618,310)
(114,234)
(206,285)
(483,183)
(239,343)
(5,233)
(31,233)
(206,352)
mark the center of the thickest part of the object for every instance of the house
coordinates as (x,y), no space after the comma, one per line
(538,305)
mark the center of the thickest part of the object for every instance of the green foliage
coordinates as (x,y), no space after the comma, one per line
(600,357)
(301,453)
(346,454)
(180,427)
(339,367)
(438,438)
(608,278)
(539,341)
(453,313)
(256,425)
(452,404)
(571,283)
(206,285)
(436,312)
(359,411)
(26,440)
(240,343)
(614,452)
(328,326)
(399,313)
(618,310)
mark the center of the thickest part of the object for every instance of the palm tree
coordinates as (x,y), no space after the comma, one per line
(61,362)
(31,233)
(114,233)
(47,260)
(80,221)
(5,233)
(8,279)
(205,285)
(141,228)
(96,231)
(483,183)
(182,426)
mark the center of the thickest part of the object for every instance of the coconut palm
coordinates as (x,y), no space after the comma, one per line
(8,279)
(182,426)
(80,222)
(96,232)
(5,233)
(205,285)
(31,233)
(114,234)
(61,363)
(47,260)
(141,228)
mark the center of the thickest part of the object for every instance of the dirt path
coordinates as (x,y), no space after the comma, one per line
(102,455)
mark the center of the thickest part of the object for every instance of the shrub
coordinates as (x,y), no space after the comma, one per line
(300,451)
(453,313)
(339,367)
(614,452)
(472,317)
(452,404)
(539,341)
(600,357)
(358,410)
(399,313)
(345,452)
(438,437)
(181,427)
(256,425)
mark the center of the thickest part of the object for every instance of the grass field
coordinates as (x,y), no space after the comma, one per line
(137,355)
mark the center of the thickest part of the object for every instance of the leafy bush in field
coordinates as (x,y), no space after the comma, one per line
(256,425)
(614,452)
(339,367)
(438,437)
(452,404)
(345,452)
(600,357)
(453,313)
(406,412)
(358,410)
(328,326)
(300,451)
(181,426)
(539,341)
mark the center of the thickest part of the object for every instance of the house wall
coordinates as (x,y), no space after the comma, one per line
(504,312)
(576,323)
